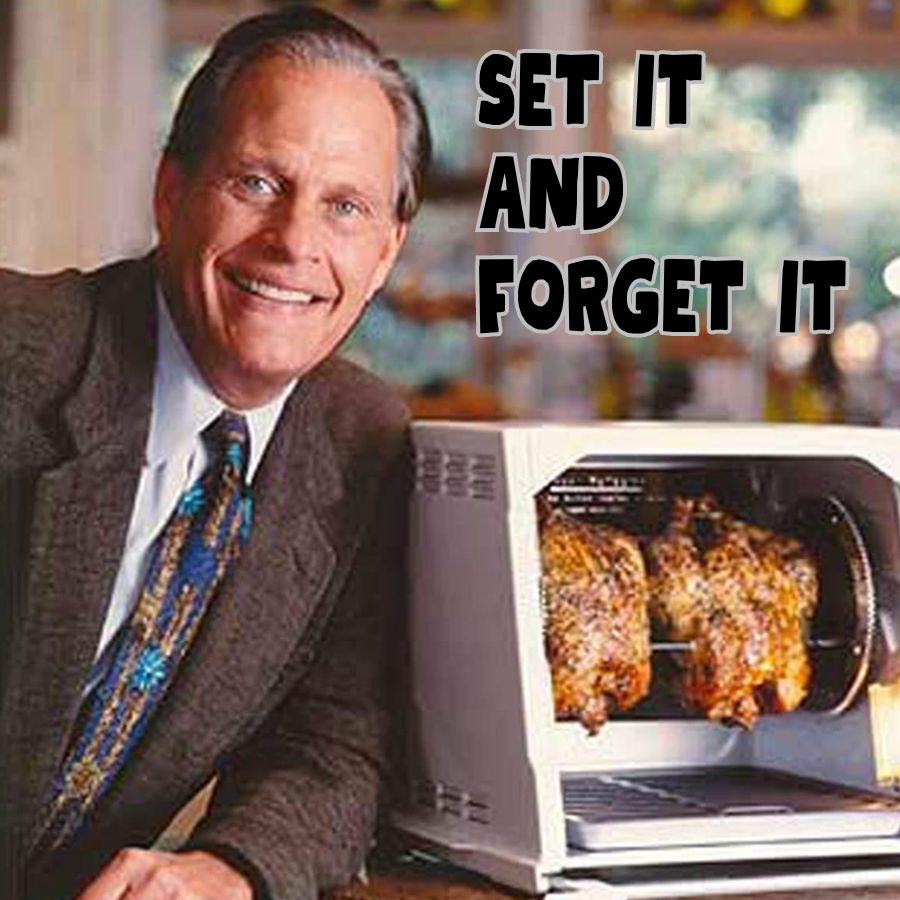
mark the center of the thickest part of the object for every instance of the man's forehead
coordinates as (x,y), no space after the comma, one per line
(278,107)
(276,78)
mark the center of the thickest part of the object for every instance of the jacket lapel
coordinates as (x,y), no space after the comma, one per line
(81,514)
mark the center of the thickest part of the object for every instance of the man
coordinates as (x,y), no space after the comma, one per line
(200,510)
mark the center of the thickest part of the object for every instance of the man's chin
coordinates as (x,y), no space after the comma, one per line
(257,383)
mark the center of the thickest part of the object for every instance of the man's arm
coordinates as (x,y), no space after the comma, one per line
(298,801)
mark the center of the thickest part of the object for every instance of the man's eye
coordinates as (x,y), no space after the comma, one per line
(258,185)
(346,208)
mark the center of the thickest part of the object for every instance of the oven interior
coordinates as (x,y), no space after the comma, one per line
(838,510)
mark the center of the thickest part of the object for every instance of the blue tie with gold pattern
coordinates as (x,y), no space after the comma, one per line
(199,544)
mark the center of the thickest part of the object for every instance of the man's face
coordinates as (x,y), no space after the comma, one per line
(270,250)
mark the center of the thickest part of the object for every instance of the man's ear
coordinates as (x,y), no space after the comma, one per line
(171,182)
(389,255)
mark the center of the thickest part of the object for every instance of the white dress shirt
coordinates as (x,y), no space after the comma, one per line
(175,456)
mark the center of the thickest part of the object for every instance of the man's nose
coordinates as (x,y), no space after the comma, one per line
(294,232)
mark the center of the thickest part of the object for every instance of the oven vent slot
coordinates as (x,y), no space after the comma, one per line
(470,476)
(451,801)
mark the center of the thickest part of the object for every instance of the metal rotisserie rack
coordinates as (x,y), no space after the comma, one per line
(660,802)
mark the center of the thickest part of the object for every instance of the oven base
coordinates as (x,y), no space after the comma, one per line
(737,879)
(740,870)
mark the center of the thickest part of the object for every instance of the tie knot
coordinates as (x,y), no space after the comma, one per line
(229,440)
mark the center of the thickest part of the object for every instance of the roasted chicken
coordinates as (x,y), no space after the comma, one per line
(596,627)
(741,598)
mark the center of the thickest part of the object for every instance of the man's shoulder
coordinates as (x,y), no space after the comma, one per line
(361,413)
(67,291)
(349,392)
(46,320)
(26,299)
(44,323)
(55,304)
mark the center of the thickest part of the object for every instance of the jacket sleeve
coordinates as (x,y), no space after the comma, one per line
(295,806)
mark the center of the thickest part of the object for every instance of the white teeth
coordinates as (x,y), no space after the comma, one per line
(270,291)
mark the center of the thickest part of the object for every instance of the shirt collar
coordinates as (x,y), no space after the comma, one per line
(184,405)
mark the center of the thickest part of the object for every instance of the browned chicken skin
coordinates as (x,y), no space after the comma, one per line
(597,632)
(742,597)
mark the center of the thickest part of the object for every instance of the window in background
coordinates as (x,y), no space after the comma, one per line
(775,163)
(182,61)
(418,332)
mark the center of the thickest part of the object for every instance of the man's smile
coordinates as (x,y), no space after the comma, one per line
(269,291)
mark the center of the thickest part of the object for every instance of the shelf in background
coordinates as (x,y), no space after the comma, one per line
(415,33)
(838,38)
(807,43)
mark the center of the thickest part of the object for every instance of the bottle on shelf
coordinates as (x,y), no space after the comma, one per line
(634,9)
(698,8)
(784,10)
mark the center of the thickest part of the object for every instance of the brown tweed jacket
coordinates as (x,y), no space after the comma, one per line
(283,693)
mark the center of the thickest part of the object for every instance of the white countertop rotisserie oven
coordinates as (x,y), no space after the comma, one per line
(660,802)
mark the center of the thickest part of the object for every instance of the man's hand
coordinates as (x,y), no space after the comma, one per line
(152,875)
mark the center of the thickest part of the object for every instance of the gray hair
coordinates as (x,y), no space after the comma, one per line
(310,36)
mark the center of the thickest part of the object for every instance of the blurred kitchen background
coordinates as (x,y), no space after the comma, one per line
(793,150)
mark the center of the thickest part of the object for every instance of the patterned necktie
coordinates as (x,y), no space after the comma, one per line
(191,557)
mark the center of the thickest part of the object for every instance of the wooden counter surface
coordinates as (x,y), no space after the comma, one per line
(416,880)
(420,887)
